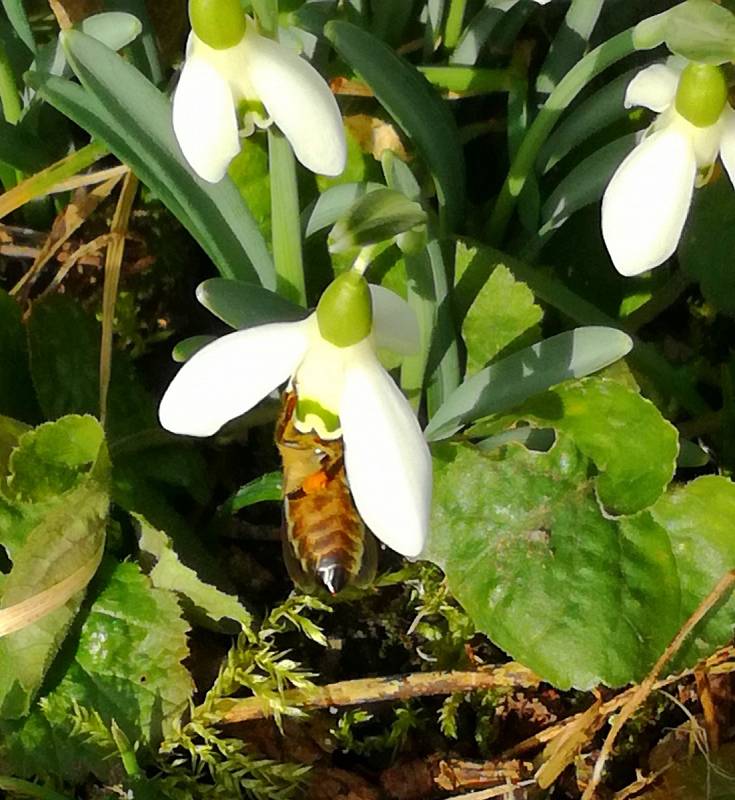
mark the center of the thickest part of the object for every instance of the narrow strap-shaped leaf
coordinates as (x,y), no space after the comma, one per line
(585,183)
(512,380)
(19,20)
(596,112)
(331,204)
(569,43)
(410,100)
(123,109)
(243,305)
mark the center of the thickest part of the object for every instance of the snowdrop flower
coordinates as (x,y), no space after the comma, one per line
(230,72)
(646,203)
(330,360)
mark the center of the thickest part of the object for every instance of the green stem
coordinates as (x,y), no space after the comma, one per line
(453,25)
(9,95)
(568,88)
(469,80)
(420,297)
(442,368)
(286,226)
(28,789)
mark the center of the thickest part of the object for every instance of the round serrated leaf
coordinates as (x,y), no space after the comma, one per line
(631,444)
(576,596)
(700,520)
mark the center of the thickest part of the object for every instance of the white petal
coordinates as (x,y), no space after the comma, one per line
(204,120)
(727,144)
(387,459)
(300,102)
(395,326)
(653,87)
(646,203)
(229,376)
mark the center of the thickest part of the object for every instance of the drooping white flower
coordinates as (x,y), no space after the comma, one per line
(646,203)
(330,360)
(228,77)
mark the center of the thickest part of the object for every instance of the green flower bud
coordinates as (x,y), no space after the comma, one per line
(701,94)
(218,23)
(345,310)
(375,217)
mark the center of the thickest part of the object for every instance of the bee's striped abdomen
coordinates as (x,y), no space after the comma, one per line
(325,531)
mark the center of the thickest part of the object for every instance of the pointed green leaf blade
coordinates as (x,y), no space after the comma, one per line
(512,380)
(122,108)
(412,102)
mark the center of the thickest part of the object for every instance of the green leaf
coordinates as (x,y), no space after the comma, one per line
(126,666)
(53,519)
(576,596)
(186,348)
(632,445)
(268,487)
(707,245)
(51,459)
(169,573)
(512,380)
(332,203)
(603,108)
(114,29)
(10,431)
(249,172)
(17,398)
(503,313)
(409,98)
(585,183)
(121,107)
(22,149)
(700,518)
(244,305)
(18,18)
(66,377)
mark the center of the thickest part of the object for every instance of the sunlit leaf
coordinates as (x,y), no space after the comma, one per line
(576,596)
(243,305)
(125,665)
(411,101)
(53,515)
(170,573)
(122,108)
(512,380)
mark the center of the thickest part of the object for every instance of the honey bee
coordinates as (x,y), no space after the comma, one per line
(325,542)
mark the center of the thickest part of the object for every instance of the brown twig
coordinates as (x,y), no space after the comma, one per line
(722,662)
(65,225)
(377,690)
(113,263)
(644,689)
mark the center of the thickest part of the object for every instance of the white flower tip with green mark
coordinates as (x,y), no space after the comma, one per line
(214,82)
(300,102)
(229,376)
(204,120)
(646,203)
(386,456)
